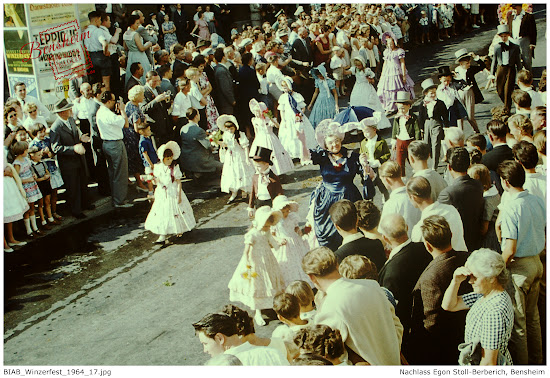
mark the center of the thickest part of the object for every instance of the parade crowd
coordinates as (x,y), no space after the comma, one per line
(449,270)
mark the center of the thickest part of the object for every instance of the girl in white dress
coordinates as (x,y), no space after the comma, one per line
(258,278)
(296,133)
(15,203)
(171,212)
(263,128)
(293,248)
(363,93)
(237,168)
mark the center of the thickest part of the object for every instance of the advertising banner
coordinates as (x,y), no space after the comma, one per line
(14,16)
(16,44)
(52,90)
(50,14)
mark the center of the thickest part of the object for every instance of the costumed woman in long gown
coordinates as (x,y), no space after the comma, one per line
(325,97)
(339,166)
(394,77)
(263,128)
(363,93)
(295,132)
(133,43)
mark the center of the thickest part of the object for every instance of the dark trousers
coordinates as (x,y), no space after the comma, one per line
(506,78)
(84,126)
(378,183)
(102,175)
(433,135)
(76,186)
(117,87)
(401,153)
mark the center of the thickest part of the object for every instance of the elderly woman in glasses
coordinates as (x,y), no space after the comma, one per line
(491,314)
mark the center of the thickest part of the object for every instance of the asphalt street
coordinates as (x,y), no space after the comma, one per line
(101,293)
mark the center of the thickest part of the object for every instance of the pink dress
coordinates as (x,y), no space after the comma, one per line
(203,30)
(391,79)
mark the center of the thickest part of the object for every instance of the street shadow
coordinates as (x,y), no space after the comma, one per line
(208,234)
(18,304)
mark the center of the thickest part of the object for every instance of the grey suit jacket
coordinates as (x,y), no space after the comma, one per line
(63,141)
(515,57)
(224,88)
(97,142)
(74,86)
(147,38)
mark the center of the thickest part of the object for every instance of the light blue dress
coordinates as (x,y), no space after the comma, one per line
(325,105)
(134,55)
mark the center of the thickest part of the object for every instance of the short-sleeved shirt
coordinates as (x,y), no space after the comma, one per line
(146,145)
(93,42)
(490,321)
(110,125)
(523,218)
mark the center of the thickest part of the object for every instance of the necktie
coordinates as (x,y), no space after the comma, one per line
(504,46)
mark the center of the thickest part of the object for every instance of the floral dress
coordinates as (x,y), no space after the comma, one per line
(170,39)
(56,180)
(258,277)
(131,139)
(211,110)
(31,188)
(391,79)
(167,217)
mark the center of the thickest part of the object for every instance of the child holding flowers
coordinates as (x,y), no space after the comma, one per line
(258,278)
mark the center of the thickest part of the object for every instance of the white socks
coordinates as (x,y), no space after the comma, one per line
(27,222)
(33,222)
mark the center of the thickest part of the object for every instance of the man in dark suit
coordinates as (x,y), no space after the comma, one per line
(466,195)
(67,142)
(523,30)
(224,83)
(344,216)
(302,61)
(248,89)
(181,22)
(156,108)
(506,62)
(434,334)
(405,264)
(136,70)
(497,131)
(180,65)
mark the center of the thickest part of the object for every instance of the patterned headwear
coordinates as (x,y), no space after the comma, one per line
(328,127)
(390,35)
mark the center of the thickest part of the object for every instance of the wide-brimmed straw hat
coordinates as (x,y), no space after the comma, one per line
(359,58)
(282,201)
(172,146)
(288,81)
(387,35)
(263,214)
(226,118)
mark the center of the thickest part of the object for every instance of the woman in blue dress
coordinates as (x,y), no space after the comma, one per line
(339,166)
(169,30)
(324,97)
(133,43)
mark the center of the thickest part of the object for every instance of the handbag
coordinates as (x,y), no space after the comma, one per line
(470,353)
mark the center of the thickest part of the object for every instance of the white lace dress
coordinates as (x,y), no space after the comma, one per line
(167,217)
(290,254)
(257,278)
(237,169)
(291,126)
(263,128)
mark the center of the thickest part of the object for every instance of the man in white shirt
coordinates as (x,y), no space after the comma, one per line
(110,127)
(218,334)
(182,102)
(358,308)
(20,90)
(419,192)
(526,154)
(419,152)
(398,203)
(524,33)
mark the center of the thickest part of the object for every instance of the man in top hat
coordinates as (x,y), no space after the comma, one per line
(265,184)
(506,62)
(67,141)
(432,118)
(523,33)
(405,128)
